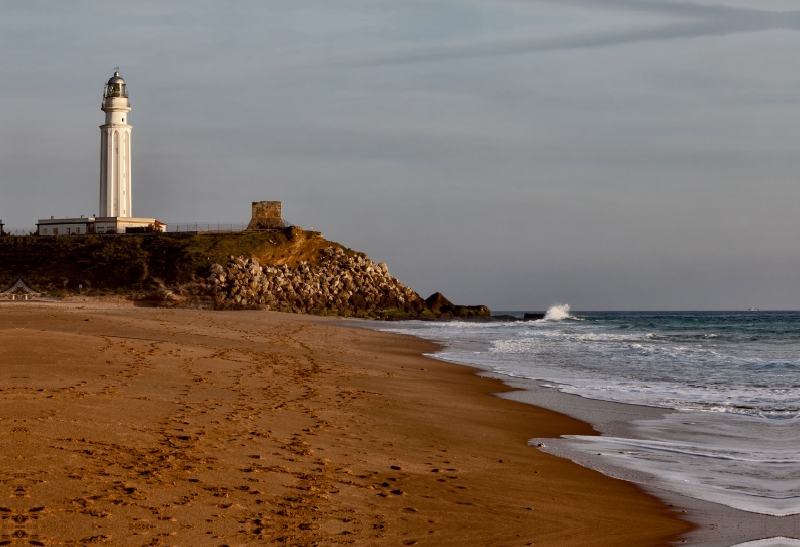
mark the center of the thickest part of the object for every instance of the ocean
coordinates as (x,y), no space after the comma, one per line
(729,383)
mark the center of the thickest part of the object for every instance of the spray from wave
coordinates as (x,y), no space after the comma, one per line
(558,312)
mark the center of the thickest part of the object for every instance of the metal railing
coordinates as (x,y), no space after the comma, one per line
(219,227)
(19,231)
(195,227)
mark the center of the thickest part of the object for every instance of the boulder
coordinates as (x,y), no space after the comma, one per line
(533,316)
(294,233)
(435,302)
(509,318)
(358,301)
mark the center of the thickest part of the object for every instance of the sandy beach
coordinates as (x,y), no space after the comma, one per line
(140,426)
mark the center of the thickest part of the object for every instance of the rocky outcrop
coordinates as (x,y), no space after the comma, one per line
(525,317)
(436,301)
(292,270)
(506,318)
(337,285)
(442,308)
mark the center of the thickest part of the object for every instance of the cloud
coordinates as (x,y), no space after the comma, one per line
(682,21)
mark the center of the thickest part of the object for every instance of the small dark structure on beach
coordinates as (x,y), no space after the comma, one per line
(20,287)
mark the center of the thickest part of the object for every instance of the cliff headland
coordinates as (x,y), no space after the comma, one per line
(290,270)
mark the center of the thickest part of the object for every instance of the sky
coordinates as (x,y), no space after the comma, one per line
(608,154)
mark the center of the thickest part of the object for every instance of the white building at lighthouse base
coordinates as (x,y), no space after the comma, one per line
(98,225)
(127,225)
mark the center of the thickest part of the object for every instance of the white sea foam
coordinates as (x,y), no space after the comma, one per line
(733,460)
(771,542)
(559,312)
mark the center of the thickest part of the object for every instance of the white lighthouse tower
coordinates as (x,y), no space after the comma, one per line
(115,151)
(115,176)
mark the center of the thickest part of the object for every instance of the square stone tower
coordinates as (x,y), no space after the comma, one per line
(266,215)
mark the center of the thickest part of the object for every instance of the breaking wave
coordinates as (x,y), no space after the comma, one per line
(559,312)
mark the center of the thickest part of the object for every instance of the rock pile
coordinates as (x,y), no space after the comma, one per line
(337,285)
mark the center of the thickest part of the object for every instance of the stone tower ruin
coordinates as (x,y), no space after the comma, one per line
(266,215)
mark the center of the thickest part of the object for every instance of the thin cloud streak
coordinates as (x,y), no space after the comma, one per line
(681,9)
(708,21)
(520,47)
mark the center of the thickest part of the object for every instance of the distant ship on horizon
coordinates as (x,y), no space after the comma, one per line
(752,309)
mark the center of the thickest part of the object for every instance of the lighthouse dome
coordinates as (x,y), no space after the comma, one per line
(116,87)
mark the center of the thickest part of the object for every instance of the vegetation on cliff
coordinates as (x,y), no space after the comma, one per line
(134,263)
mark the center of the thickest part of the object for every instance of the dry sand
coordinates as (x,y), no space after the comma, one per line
(141,426)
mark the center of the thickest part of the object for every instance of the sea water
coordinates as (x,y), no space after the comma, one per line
(730,382)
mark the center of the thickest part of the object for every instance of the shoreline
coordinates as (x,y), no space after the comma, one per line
(303,428)
(716,524)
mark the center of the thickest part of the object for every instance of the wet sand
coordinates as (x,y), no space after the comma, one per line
(142,426)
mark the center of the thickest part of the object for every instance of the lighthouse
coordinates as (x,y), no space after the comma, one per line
(115,151)
(116,216)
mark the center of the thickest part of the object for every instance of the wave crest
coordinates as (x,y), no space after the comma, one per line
(559,312)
